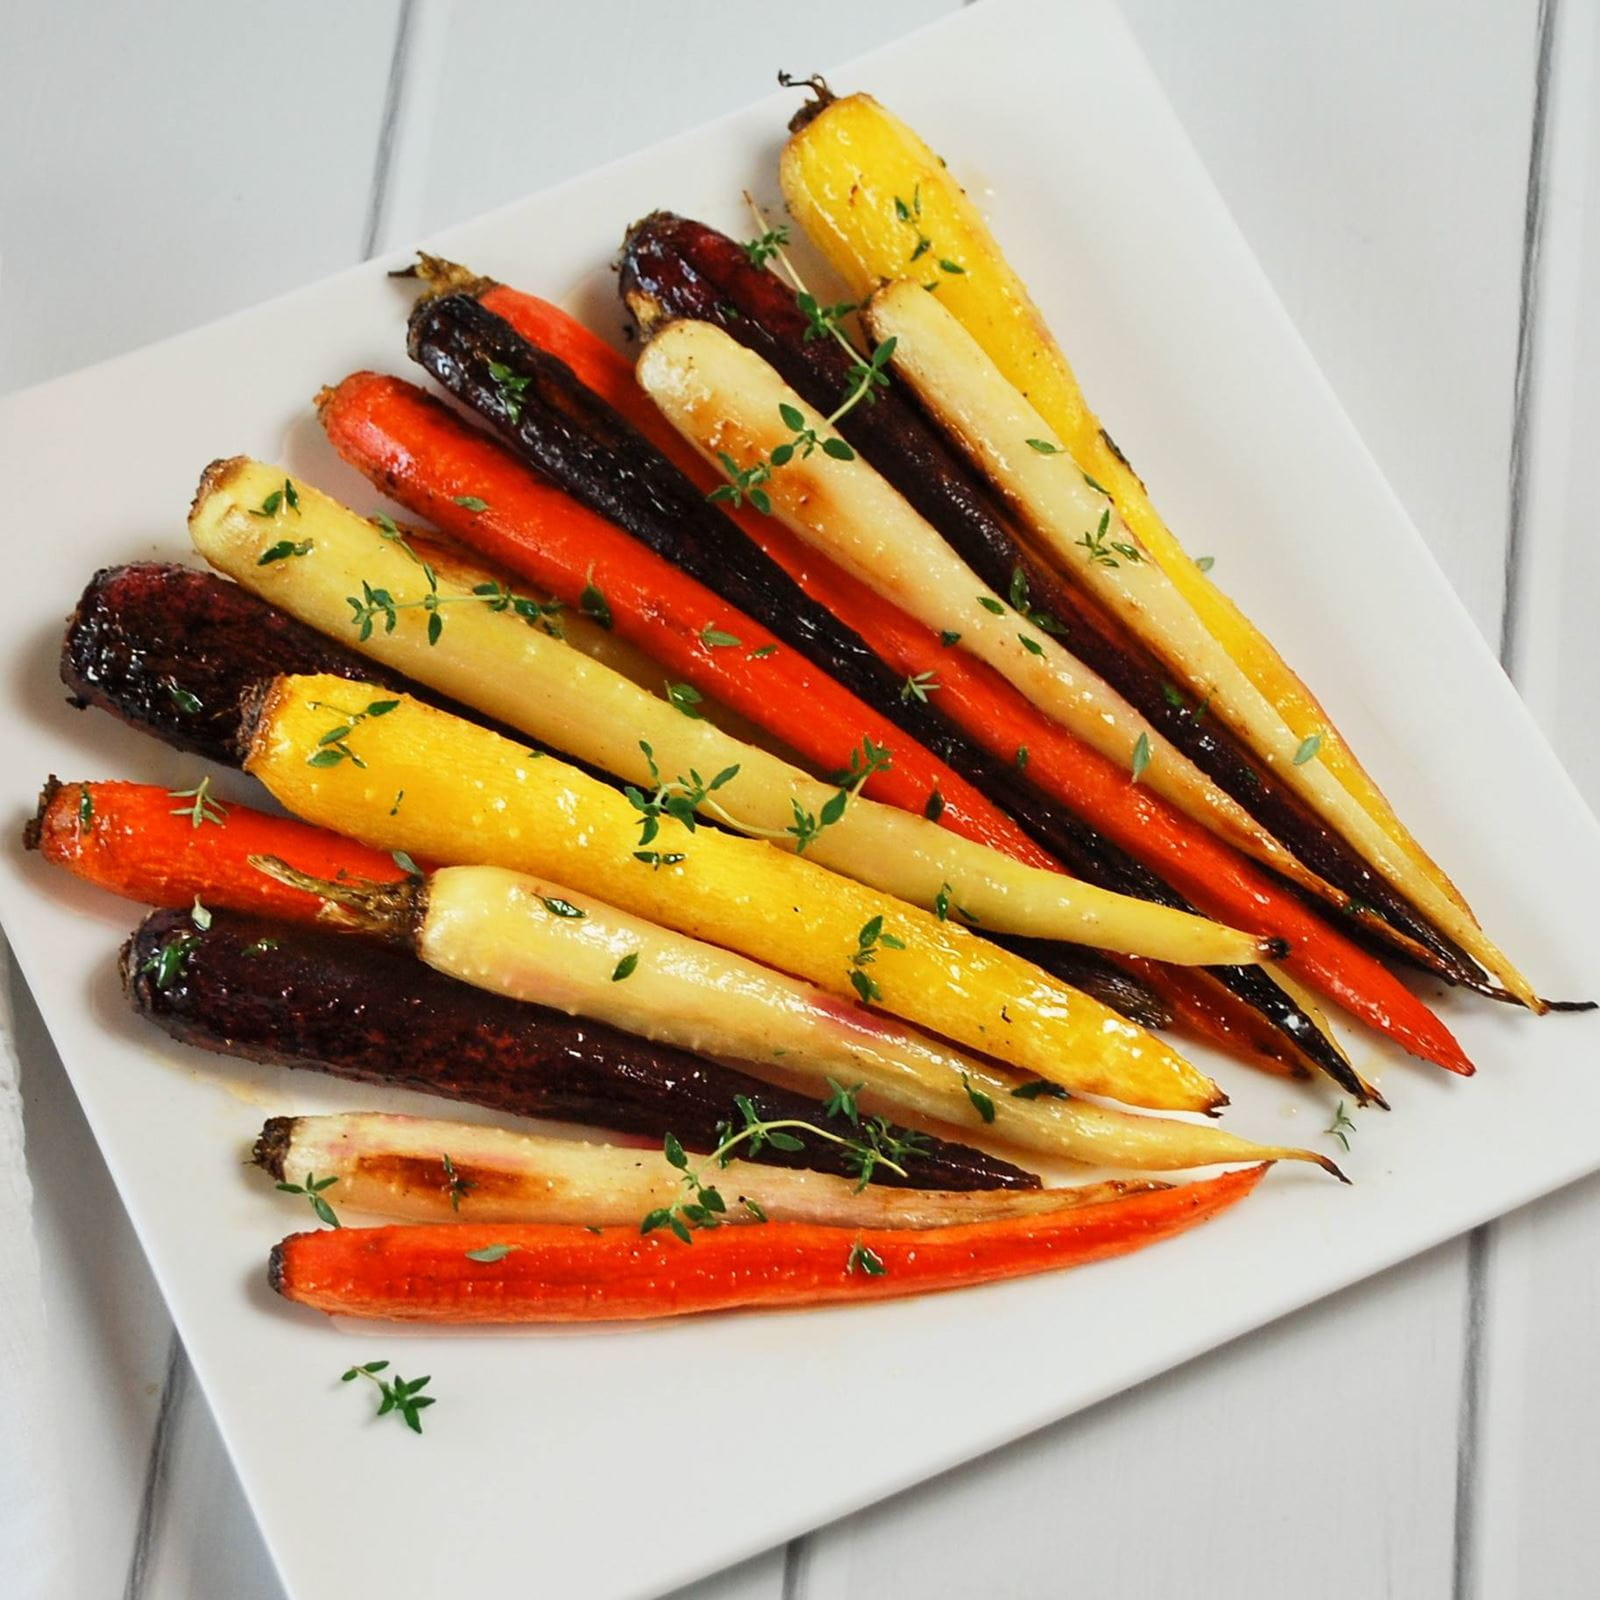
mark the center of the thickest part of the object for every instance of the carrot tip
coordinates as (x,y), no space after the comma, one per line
(273,1145)
(1329,1165)
(275,1271)
(33,828)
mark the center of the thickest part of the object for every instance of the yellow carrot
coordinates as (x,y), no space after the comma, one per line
(868,191)
(408,777)
(475,646)
(1070,515)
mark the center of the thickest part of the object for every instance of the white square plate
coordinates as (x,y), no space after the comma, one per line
(626,1461)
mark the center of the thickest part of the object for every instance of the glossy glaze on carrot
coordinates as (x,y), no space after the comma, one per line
(422,454)
(351,1006)
(1220,1017)
(673,267)
(551,1273)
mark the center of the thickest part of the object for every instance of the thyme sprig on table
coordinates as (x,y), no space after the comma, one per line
(1342,1126)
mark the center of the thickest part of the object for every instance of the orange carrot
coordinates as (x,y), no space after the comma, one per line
(437,466)
(145,843)
(1210,873)
(551,1273)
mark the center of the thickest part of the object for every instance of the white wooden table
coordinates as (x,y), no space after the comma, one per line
(1421,179)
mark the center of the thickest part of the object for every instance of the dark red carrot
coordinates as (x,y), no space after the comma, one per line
(1036,753)
(548,1273)
(339,1003)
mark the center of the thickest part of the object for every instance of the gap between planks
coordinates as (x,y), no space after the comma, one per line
(1470,1524)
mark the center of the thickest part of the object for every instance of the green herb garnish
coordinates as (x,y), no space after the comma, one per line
(283,550)
(202,807)
(312,1189)
(403,1396)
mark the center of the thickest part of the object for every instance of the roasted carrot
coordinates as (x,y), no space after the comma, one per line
(550,1273)
(416,450)
(473,797)
(868,191)
(320,999)
(493,660)
(166,847)
(391,1166)
(674,267)
(983,413)
(1205,1005)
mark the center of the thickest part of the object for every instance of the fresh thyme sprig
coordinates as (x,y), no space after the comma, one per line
(701,1205)
(202,807)
(402,1396)
(371,604)
(332,747)
(865,1260)
(982,1103)
(283,550)
(312,1189)
(866,376)
(681,798)
(760,251)
(1022,603)
(869,941)
(877,1143)
(1099,548)
(1342,1126)
(456,1185)
(166,964)
(288,496)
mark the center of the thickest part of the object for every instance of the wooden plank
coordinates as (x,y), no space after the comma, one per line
(1256,1470)
(166,171)
(524,96)
(1537,1471)
(157,175)
(1375,157)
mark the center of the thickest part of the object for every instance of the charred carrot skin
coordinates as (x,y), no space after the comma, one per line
(672,267)
(142,842)
(1279,1034)
(600,369)
(338,1003)
(177,652)
(424,456)
(143,639)
(567,1274)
